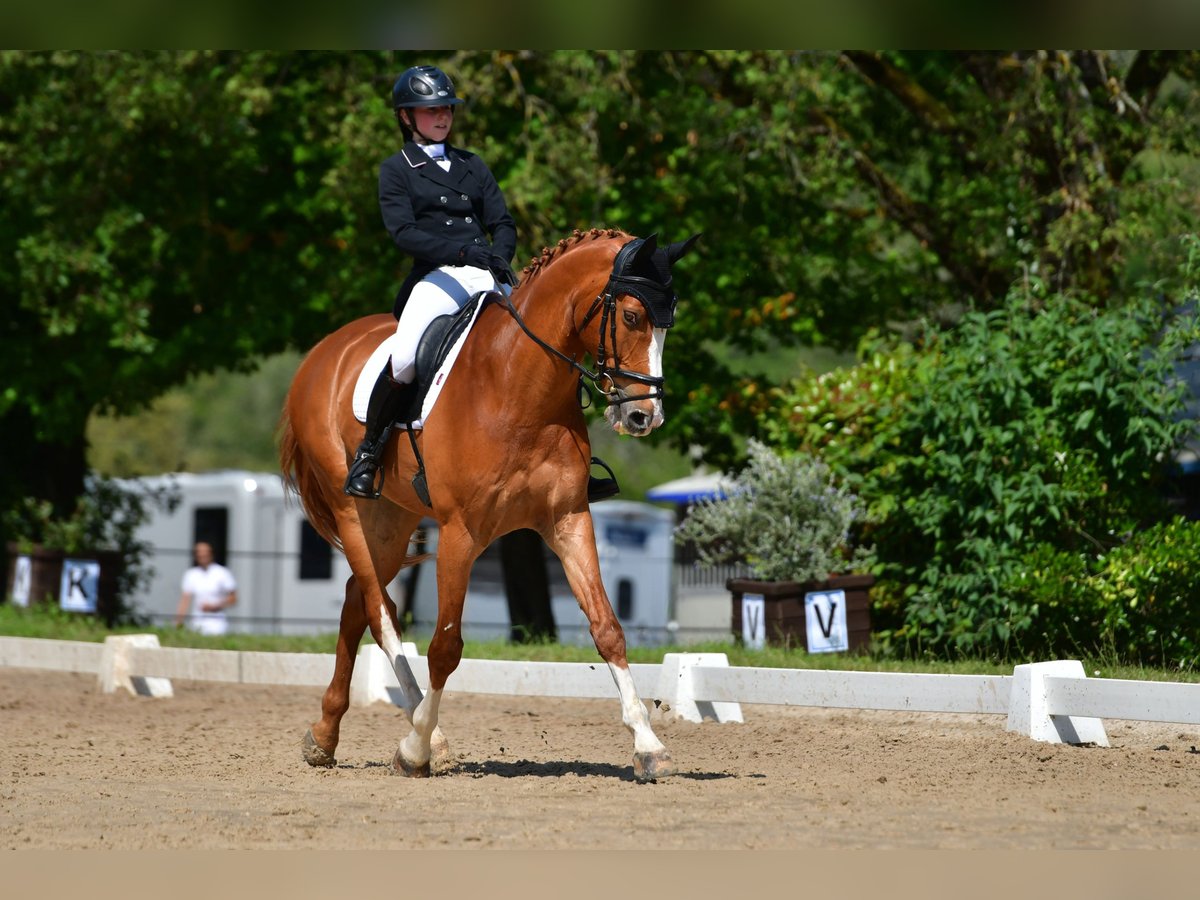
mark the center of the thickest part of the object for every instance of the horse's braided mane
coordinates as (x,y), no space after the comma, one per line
(537,263)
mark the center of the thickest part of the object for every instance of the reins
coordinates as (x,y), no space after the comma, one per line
(606,304)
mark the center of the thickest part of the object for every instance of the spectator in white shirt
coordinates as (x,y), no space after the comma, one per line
(208,590)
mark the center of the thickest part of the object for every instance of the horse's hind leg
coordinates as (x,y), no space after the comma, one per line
(321,740)
(575,543)
(376,547)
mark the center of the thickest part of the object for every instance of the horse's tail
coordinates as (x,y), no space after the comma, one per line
(300,481)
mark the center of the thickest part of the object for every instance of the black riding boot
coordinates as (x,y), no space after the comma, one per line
(602,488)
(383,407)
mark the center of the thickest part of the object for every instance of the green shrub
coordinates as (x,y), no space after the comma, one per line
(845,416)
(1148,590)
(784,516)
(1138,603)
(1033,434)
(1040,425)
(1054,588)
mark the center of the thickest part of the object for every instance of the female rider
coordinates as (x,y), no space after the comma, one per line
(441,205)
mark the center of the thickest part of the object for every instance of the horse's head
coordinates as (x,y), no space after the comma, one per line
(634,312)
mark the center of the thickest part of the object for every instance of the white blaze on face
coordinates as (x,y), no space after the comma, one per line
(656,370)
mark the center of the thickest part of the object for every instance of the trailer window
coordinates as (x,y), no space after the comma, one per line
(210,524)
(316,556)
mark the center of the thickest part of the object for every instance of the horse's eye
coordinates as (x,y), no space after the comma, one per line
(631,318)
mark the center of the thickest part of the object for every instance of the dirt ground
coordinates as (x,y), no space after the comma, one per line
(219,766)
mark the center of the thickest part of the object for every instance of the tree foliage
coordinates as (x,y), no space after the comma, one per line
(166,214)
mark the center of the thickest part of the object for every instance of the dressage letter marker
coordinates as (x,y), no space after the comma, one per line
(754,621)
(825,621)
(22,579)
(80,587)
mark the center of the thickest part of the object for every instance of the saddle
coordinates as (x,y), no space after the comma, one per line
(435,345)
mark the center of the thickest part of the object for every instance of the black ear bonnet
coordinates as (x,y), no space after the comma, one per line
(643,270)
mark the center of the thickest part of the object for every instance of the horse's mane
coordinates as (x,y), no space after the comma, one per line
(549,254)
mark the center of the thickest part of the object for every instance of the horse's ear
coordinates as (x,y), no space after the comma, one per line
(680,249)
(644,253)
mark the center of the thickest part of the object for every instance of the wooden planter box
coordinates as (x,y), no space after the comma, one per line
(783,601)
(46,570)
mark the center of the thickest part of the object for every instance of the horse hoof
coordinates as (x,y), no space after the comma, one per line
(314,755)
(652,766)
(440,758)
(401,766)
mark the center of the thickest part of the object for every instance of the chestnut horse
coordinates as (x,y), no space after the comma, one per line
(506,447)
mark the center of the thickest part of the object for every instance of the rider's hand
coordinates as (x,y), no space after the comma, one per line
(502,271)
(476,255)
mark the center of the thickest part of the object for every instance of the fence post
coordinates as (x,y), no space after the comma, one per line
(1027,713)
(114,667)
(374,678)
(676,696)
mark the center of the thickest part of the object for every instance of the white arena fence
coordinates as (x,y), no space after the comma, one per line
(1048,701)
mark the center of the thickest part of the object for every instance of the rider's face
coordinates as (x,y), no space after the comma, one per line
(434,122)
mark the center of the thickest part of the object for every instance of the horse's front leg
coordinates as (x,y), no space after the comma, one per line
(575,543)
(456,554)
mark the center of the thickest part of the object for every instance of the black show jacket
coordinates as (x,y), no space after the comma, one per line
(431,214)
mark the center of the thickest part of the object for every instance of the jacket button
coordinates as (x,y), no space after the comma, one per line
(449,221)
(468,219)
(463,196)
(443,199)
(479,240)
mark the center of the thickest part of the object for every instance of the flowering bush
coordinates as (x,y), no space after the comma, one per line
(783,516)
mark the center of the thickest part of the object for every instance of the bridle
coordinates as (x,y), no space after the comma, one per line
(604,378)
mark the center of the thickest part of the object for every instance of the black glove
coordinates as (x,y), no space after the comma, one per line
(476,255)
(502,271)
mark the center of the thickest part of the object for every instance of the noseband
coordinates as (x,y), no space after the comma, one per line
(606,305)
(604,378)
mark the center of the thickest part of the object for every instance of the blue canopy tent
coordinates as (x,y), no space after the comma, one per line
(690,489)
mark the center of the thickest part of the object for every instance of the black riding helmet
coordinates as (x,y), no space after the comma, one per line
(423,86)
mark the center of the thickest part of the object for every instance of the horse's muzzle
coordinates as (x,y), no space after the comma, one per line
(635,420)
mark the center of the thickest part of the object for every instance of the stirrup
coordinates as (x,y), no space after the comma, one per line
(364,464)
(602,488)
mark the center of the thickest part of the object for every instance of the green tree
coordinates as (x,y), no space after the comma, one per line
(165,216)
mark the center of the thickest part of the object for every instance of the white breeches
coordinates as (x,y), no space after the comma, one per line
(442,292)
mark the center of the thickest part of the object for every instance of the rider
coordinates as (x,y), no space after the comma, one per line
(440,204)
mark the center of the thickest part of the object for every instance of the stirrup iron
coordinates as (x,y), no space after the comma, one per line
(602,488)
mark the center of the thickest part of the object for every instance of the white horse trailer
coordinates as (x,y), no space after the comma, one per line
(636,549)
(290,581)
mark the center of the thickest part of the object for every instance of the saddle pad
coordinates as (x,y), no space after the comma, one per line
(375,364)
